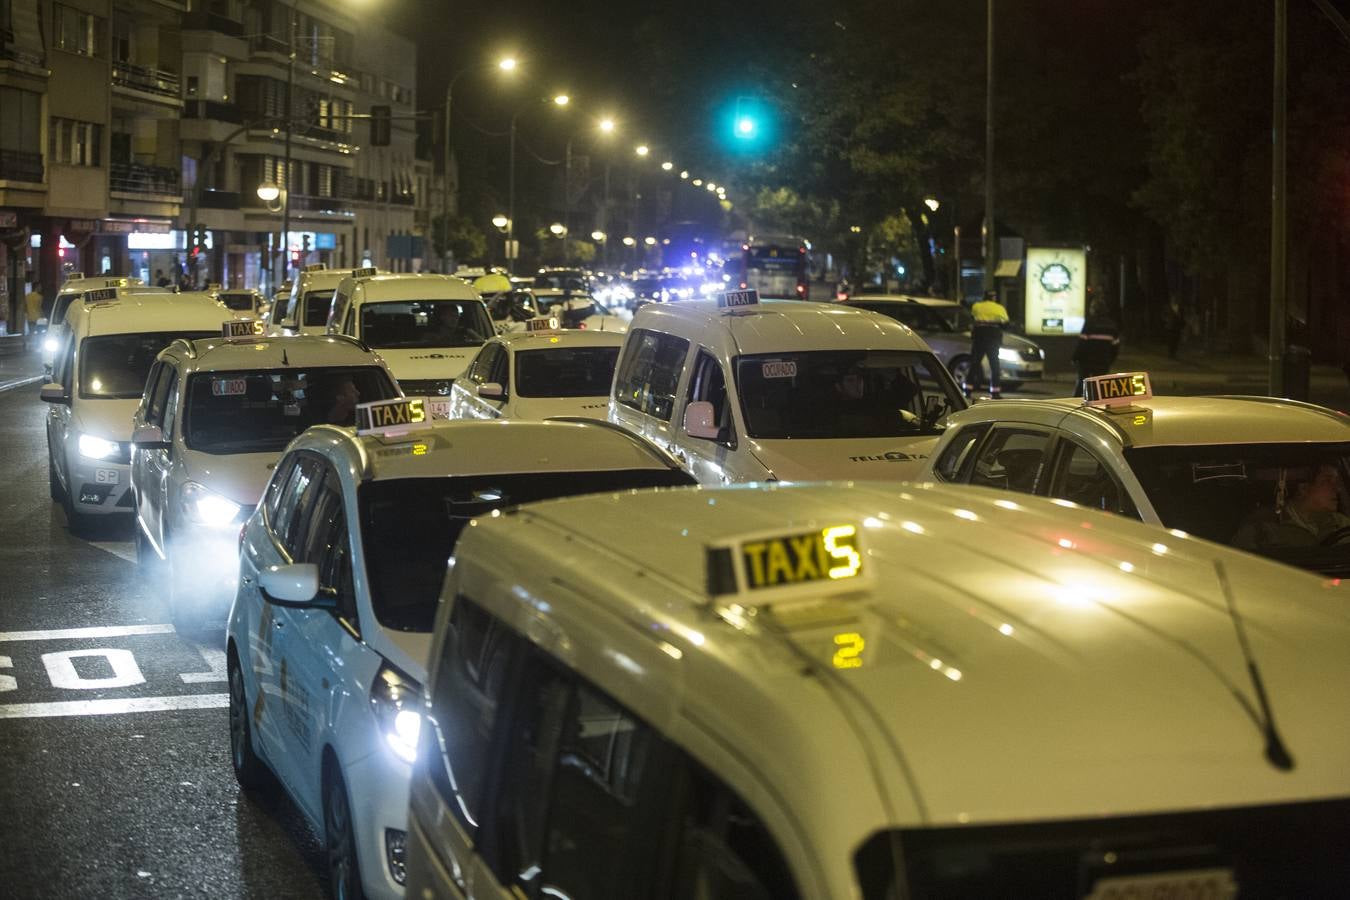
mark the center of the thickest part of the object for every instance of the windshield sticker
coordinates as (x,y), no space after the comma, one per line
(779,369)
(1215,471)
(229,387)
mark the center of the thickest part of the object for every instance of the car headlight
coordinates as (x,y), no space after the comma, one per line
(1008,354)
(205,507)
(397,702)
(49,345)
(96,447)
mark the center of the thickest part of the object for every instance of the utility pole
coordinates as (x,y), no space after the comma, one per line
(445,186)
(989,235)
(567,203)
(286,166)
(511,202)
(1278,300)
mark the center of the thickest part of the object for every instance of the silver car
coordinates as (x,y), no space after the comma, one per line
(945,326)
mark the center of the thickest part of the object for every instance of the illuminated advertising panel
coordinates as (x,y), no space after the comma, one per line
(1056,290)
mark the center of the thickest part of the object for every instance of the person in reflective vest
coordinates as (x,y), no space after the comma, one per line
(1097,345)
(986,338)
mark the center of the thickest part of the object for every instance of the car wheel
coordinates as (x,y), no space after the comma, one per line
(344,875)
(249,769)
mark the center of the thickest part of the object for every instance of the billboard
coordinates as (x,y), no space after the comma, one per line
(1056,290)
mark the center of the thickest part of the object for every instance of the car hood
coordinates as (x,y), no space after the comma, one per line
(108,419)
(845,459)
(552,407)
(409,651)
(424,363)
(240,477)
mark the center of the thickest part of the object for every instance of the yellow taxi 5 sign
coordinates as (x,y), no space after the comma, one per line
(1121,389)
(401,414)
(241,328)
(825,555)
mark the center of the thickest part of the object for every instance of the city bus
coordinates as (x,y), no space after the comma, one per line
(776,267)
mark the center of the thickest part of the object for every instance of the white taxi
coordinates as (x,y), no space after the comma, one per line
(843,691)
(340,573)
(427,327)
(244,303)
(97,382)
(70,292)
(215,416)
(575,310)
(539,374)
(1261,474)
(306,308)
(781,391)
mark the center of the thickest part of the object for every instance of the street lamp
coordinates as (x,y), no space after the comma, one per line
(598,236)
(500,222)
(607,125)
(558,229)
(667,166)
(649,241)
(629,240)
(268,192)
(711,188)
(932,203)
(506,64)
(562,100)
(642,150)
(698,182)
(684,173)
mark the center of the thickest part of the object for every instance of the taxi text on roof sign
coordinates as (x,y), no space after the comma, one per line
(1120,389)
(401,414)
(736,299)
(241,328)
(756,566)
(366,272)
(314,267)
(542,323)
(98,296)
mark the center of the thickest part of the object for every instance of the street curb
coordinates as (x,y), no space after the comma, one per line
(21,382)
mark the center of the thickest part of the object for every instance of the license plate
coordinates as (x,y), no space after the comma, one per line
(106,476)
(1190,884)
(437,409)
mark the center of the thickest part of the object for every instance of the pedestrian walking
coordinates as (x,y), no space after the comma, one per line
(32,302)
(986,339)
(1174,324)
(1098,345)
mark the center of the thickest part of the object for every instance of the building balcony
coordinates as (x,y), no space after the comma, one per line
(206,20)
(146,80)
(336,206)
(134,178)
(19,165)
(10,52)
(213,109)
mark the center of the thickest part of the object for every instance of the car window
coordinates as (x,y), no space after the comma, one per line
(1082,477)
(465,704)
(911,314)
(156,390)
(291,523)
(708,382)
(413,324)
(318,305)
(954,456)
(565,371)
(171,404)
(326,546)
(276,488)
(1011,459)
(650,372)
(115,366)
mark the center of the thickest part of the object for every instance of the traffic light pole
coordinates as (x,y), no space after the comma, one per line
(286,166)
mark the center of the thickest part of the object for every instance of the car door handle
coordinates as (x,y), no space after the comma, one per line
(278,623)
(246,579)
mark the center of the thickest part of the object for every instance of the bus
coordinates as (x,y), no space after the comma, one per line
(776,267)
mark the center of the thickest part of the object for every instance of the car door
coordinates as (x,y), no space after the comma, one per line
(1012,457)
(708,458)
(466,404)
(58,414)
(153,464)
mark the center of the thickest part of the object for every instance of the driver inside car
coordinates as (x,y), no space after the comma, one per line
(1308,516)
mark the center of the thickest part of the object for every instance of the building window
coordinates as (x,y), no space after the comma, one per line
(78,32)
(192,84)
(20,120)
(76,143)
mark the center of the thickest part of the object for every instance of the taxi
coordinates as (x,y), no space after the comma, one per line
(73,289)
(305,309)
(574,310)
(245,303)
(428,327)
(848,691)
(340,574)
(746,391)
(1262,474)
(538,374)
(216,414)
(96,386)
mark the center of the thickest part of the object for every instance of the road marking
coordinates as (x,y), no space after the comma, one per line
(21,382)
(112,707)
(215,659)
(102,631)
(120,549)
(61,671)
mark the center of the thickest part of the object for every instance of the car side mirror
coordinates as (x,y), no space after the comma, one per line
(491,391)
(700,420)
(295,586)
(54,393)
(146,436)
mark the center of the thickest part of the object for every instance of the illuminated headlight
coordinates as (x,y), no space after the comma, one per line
(206,507)
(49,345)
(397,702)
(96,447)
(1008,354)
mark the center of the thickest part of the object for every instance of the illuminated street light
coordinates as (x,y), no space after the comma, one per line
(562,100)
(667,166)
(932,203)
(598,236)
(710,187)
(507,64)
(856,229)
(698,182)
(558,229)
(268,192)
(607,125)
(628,240)
(649,241)
(642,150)
(684,173)
(500,222)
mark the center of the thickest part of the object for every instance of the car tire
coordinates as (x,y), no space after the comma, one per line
(249,769)
(339,839)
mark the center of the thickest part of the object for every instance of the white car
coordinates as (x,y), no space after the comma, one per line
(306,308)
(576,311)
(97,382)
(74,288)
(244,303)
(340,574)
(215,416)
(538,374)
(1230,469)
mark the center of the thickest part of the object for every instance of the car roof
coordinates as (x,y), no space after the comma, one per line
(153,312)
(217,354)
(321,279)
(998,638)
(1186,421)
(936,302)
(781,326)
(559,340)
(80,285)
(478,447)
(412,287)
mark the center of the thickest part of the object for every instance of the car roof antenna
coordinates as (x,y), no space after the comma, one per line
(1276,753)
(284,360)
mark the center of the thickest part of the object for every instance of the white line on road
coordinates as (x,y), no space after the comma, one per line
(96,632)
(21,382)
(112,707)
(215,659)
(120,549)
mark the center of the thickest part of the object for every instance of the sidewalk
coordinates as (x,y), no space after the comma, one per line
(20,360)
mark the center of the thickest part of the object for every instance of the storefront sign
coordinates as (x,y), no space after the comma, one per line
(1056,281)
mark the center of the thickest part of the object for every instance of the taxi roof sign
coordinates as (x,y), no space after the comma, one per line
(738,299)
(396,416)
(74,276)
(365,272)
(241,328)
(314,267)
(542,323)
(1119,389)
(759,568)
(100,295)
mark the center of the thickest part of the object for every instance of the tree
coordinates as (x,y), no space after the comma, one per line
(466,241)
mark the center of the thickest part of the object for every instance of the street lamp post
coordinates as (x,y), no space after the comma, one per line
(989,231)
(505,64)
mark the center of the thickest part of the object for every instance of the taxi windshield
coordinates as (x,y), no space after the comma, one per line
(262,410)
(565,371)
(844,394)
(114,366)
(238,302)
(425,323)
(409,527)
(1285,501)
(317,306)
(570,310)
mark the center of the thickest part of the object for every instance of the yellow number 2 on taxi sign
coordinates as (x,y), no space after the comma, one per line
(849,654)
